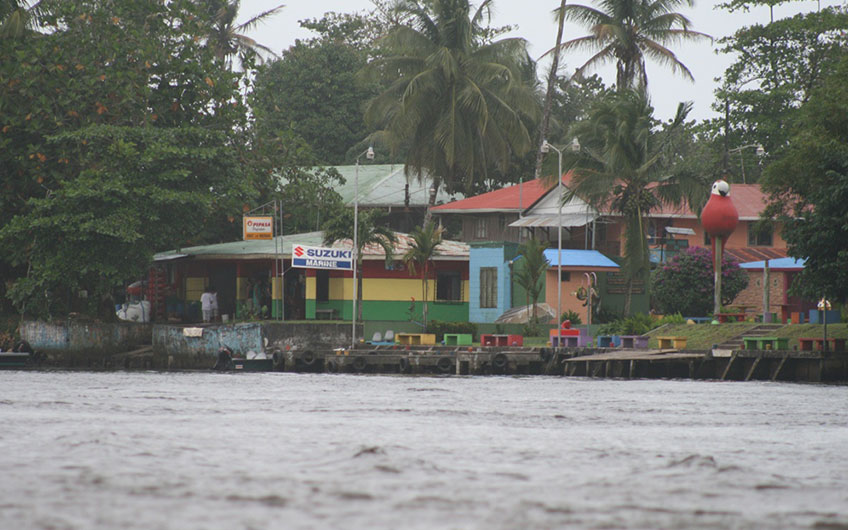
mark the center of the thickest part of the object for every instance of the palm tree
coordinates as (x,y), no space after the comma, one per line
(531,271)
(624,166)
(420,255)
(371,232)
(456,101)
(549,92)
(227,39)
(628,31)
(19,17)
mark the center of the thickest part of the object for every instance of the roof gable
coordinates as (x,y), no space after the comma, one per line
(511,198)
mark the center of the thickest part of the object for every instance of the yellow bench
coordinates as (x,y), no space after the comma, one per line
(416,339)
(666,343)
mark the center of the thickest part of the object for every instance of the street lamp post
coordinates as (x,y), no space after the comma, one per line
(824,306)
(369,154)
(546,148)
(760,150)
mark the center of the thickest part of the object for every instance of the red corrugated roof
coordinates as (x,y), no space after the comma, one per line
(747,254)
(749,200)
(512,198)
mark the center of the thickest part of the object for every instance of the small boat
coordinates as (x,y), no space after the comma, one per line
(20,356)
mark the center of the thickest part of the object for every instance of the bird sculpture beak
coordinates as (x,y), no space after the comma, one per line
(723,193)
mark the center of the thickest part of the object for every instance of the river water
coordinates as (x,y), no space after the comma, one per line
(207,450)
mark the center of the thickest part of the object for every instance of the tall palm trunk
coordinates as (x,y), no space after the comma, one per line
(549,93)
(426,281)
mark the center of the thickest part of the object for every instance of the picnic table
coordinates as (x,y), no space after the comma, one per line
(501,340)
(817,344)
(415,339)
(668,342)
(723,317)
(765,343)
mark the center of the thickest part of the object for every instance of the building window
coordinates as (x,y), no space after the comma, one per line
(707,240)
(488,287)
(322,285)
(480,231)
(449,286)
(759,236)
(564,276)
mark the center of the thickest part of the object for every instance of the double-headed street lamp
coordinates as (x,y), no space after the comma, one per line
(369,154)
(760,150)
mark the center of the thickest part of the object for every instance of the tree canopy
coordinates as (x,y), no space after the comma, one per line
(458,103)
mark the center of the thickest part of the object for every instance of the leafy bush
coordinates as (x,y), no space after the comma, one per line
(685,283)
(440,328)
(676,318)
(573,316)
(606,315)
(638,324)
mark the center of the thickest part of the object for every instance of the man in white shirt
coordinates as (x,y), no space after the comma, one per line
(208,304)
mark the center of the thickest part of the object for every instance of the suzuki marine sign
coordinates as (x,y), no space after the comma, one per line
(321,258)
(258,228)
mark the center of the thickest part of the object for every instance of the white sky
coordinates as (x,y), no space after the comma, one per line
(536,24)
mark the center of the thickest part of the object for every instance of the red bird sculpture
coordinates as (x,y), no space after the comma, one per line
(719,217)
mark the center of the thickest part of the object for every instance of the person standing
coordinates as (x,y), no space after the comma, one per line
(214,304)
(208,303)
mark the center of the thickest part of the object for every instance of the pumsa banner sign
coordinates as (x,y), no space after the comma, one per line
(258,227)
(321,258)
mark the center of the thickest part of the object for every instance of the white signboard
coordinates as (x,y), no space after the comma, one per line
(258,227)
(321,258)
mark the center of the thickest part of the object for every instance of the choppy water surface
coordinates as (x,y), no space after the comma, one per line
(196,450)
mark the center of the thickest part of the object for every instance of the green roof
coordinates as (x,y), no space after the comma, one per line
(270,249)
(383,185)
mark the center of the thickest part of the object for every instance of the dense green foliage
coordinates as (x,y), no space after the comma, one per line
(809,189)
(116,141)
(456,102)
(685,284)
(312,91)
(778,65)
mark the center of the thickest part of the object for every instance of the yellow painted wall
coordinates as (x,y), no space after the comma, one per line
(194,288)
(381,289)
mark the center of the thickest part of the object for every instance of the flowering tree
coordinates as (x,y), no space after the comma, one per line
(685,283)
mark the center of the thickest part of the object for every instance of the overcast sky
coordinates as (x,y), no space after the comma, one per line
(535,23)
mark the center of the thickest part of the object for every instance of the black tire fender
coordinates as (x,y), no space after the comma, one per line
(22,347)
(308,357)
(499,361)
(332,366)
(403,364)
(444,365)
(359,364)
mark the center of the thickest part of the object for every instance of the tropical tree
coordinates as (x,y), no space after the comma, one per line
(420,255)
(777,67)
(311,91)
(532,268)
(628,32)
(625,166)
(227,39)
(370,231)
(808,187)
(117,141)
(549,92)
(19,17)
(458,102)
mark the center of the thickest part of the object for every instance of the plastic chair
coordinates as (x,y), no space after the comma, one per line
(376,337)
(389,336)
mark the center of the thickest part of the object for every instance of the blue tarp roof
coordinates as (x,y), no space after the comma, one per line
(589,259)
(779,263)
